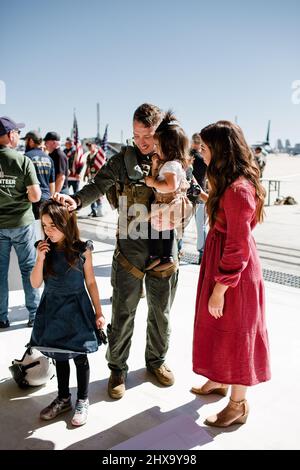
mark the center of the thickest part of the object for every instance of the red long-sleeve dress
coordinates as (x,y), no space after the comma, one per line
(233,349)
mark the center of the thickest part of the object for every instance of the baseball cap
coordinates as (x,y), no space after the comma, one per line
(34,135)
(7,125)
(52,136)
(68,139)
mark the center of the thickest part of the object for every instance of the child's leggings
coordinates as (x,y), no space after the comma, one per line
(83,377)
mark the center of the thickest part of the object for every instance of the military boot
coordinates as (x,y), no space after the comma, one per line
(116,384)
(163,374)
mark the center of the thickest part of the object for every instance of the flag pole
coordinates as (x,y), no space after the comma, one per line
(98,122)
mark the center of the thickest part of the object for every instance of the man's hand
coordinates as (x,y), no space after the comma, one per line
(65,200)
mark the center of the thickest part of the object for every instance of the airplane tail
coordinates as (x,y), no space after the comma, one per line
(267,141)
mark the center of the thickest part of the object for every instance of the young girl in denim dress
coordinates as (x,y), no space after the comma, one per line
(68,319)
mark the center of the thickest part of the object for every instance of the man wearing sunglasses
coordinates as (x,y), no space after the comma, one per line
(19,187)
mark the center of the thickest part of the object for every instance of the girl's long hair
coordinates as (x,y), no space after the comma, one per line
(231,157)
(65,222)
(172,140)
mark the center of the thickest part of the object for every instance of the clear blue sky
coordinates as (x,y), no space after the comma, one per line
(206,60)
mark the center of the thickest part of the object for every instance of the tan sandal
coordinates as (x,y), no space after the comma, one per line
(236,412)
(222,390)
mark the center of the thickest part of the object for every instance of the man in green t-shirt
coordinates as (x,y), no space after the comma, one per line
(19,187)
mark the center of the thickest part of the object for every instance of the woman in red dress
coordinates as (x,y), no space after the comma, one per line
(230,345)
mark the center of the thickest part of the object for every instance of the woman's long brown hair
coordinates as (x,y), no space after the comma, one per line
(65,222)
(231,157)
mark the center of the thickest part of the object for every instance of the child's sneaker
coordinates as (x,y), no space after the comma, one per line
(81,412)
(55,408)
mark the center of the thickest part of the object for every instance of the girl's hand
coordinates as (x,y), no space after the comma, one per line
(100,321)
(42,250)
(216,304)
(155,161)
(150,181)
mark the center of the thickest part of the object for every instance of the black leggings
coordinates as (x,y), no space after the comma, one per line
(160,240)
(83,377)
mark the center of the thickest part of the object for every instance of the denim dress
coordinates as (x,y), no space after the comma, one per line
(65,324)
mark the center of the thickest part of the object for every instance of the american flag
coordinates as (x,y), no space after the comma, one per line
(99,159)
(104,141)
(78,159)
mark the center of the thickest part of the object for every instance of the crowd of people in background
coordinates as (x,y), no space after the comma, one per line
(27,180)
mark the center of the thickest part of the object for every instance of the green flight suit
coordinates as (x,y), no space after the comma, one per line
(126,287)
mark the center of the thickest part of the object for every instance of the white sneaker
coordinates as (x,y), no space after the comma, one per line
(81,412)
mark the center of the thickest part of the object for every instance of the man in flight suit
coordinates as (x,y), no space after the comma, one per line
(124,173)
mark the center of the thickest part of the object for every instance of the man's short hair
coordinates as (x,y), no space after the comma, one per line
(148,114)
(196,139)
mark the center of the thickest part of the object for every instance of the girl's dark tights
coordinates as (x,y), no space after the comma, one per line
(83,377)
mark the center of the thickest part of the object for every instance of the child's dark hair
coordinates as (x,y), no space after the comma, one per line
(65,222)
(172,139)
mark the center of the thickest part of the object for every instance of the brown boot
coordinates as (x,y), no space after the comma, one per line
(236,412)
(116,384)
(221,390)
(163,374)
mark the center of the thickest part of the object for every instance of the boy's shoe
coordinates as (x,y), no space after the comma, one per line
(30,323)
(55,408)
(166,263)
(81,412)
(163,374)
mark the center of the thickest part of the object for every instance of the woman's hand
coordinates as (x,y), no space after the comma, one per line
(42,249)
(100,321)
(150,181)
(216,300)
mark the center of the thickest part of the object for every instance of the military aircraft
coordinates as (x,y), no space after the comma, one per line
(265,145)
